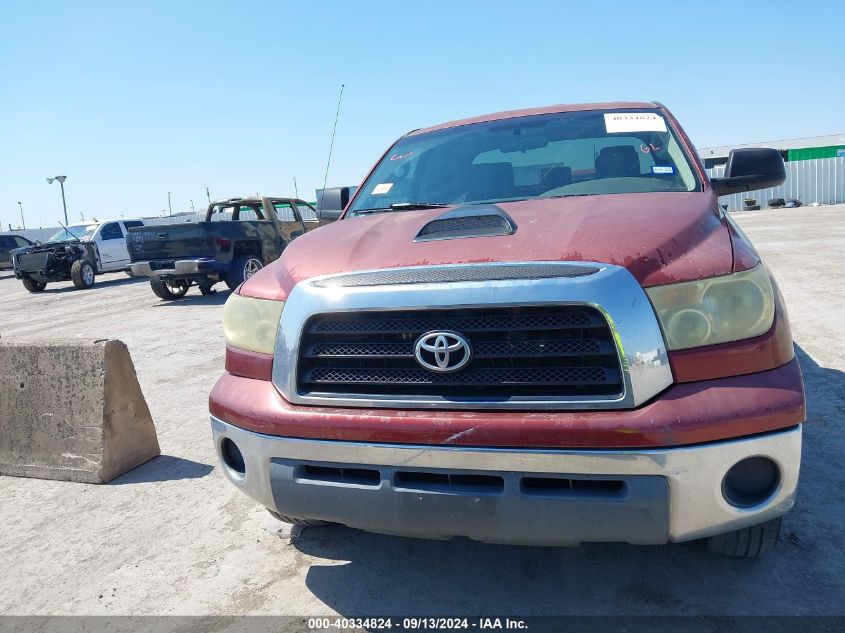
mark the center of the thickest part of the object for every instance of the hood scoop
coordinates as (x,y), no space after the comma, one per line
(483,220)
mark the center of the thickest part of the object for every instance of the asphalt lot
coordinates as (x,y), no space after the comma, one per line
(174,537)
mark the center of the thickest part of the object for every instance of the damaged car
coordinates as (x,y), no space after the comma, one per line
(76,253)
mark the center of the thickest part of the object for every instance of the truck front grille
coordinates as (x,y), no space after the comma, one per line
(547,351)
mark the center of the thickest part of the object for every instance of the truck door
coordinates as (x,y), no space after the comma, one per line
(290,225)
(111,243)
(307,214)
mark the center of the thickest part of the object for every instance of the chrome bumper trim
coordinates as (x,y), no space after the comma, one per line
(696,506)
(180,267)
(611,289)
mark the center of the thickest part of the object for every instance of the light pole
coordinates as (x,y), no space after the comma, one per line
(192,207)
(61,180)
(23,222)
(208,195)
(168,203)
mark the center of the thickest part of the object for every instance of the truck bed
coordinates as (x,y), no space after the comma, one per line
(187,241)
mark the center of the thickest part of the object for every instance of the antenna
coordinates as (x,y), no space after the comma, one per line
(295,189)
(331,146)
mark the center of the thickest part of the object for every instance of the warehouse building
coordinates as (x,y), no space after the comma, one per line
(815,171)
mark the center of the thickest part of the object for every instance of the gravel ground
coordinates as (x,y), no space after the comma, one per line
(174,537)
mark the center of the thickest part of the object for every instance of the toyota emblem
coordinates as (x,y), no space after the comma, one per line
(442,351)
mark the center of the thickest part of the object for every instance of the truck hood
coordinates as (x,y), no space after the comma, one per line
(659,237)
(47,246)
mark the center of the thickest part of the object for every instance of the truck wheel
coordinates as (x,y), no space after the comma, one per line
(751,542)
(296,521)
(33,286)
(168,289)
(82,273)
(242,268)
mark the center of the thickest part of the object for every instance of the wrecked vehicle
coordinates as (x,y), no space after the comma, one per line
(77,253)
(238,237)
(532,327)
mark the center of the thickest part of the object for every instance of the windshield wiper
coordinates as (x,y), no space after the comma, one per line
(405,206)
(415,206)
(68,231)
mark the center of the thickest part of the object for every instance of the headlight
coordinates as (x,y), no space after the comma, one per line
(716,310)
(251,324)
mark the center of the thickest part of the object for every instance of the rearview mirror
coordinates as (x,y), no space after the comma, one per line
(331,202)
(522,143)
(750,169)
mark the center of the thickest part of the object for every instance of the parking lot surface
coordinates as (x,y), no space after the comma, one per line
(174,537)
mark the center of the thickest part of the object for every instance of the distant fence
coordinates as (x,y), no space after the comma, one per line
(819,180)
(43,234)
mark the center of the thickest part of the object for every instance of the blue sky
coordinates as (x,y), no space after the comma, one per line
(131,100)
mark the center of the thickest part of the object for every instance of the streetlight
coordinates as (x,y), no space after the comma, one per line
(168,203)
(208,195)
(192,207)
(61,180)
(23,222)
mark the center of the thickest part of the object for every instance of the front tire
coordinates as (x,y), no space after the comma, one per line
(33,286)
(167,289)
(82,274)
(751,542)
(242,268)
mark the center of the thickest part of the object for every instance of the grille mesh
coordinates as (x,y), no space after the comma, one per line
(485,349)
(467,223)
(464,324)
(534,351)
(502,376)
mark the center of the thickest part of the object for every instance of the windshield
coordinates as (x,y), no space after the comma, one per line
(542,156)
(81,231)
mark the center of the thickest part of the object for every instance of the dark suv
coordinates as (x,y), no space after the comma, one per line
(7,244)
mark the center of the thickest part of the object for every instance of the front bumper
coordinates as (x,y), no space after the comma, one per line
(499,495)
(171,268)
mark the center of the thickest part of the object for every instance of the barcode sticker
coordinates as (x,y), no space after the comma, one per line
(634,122)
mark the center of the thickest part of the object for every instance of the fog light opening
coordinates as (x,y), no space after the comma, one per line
(751,482)
(232,457)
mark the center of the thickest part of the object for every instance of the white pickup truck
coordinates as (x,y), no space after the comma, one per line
(76,253)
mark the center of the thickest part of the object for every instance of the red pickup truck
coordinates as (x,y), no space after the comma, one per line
(531,327)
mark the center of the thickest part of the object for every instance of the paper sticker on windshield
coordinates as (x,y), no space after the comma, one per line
(382,188)
(662,170)
(634,122)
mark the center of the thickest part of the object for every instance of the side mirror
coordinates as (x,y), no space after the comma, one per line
(750,169)
(331,203)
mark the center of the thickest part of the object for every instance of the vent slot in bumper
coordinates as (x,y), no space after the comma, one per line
(333,474)
(448,482)
(565,487)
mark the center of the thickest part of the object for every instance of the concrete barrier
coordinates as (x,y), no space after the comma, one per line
(72,410)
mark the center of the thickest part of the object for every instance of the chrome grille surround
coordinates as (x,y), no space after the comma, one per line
(610,289)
